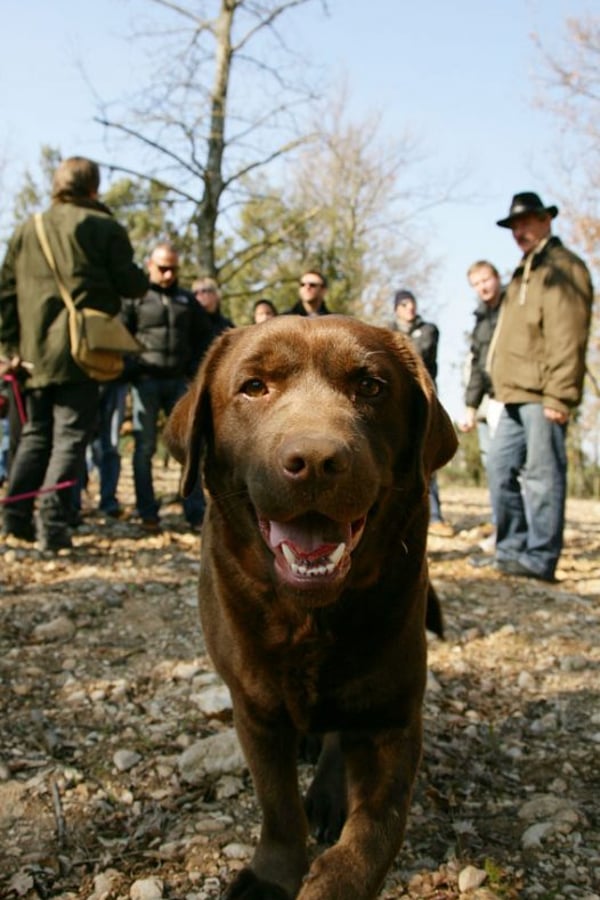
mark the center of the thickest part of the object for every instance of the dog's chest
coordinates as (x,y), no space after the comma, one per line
(324,684)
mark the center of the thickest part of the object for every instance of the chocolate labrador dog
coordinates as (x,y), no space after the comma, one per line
(317,439)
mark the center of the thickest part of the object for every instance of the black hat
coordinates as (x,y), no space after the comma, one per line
(403,295)
(528,202)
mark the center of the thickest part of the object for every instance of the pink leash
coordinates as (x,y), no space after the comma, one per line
(23,418)
(18,398)
(27,496)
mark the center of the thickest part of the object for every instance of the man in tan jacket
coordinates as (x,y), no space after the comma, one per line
(537,365)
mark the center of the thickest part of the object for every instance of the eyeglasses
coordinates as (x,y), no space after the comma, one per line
(206,291)
(312,284)
(163,269)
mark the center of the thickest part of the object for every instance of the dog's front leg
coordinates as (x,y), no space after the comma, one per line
(380,771)
(280,860)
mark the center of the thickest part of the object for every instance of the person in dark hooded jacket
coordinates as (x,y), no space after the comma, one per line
(94,257)
(425,337)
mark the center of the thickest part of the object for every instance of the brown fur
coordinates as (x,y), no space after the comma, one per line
(316,433)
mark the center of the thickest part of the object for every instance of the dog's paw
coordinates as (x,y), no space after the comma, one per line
(325,806)
(248,886)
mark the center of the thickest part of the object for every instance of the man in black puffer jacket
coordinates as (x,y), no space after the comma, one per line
(170,324)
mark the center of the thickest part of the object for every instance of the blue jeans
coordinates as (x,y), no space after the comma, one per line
(527,469)
(435,506)
(151,395)
(106,446)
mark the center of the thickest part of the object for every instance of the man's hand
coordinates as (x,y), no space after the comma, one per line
(8,366)
(469,420)
(553,415)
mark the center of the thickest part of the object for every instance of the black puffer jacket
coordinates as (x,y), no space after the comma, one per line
(425,336)
(480,384)
(171,325)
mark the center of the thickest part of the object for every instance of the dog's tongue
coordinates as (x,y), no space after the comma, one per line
(310,536)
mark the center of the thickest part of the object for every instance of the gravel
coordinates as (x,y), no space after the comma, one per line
(120,774)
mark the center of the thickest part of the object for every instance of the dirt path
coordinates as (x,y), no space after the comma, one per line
(105,684)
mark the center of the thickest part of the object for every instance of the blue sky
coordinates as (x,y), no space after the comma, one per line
(461,75)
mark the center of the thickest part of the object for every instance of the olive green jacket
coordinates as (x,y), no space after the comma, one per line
(538,350)
(95,259)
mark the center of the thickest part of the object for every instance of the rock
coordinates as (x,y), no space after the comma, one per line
(534,835)
(213,701)
(185,671)
(104,884)
(228,786)
(433,685)
(544,806)
(237,851)
(470,878)
(126,759)
(59,629)
(147,889)
(526,681)
(218,754)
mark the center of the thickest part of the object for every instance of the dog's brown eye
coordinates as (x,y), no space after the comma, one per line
(369,387)
(254,387)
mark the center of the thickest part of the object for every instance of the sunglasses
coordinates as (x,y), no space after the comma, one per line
(163,269)
(311,284)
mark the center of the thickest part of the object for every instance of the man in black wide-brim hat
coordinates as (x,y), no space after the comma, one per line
(537,365)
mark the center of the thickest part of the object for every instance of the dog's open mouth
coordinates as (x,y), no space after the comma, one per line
(312,548)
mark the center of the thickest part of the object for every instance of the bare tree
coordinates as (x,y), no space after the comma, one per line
(221,105)
(352,203)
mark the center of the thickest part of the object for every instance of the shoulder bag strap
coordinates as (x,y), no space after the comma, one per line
(43,239)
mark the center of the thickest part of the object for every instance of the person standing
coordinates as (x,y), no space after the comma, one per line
(311,295)
(171,325)
(263,310)
(207,293)
(95,260)
(425,336)
(537,365)
(482,411)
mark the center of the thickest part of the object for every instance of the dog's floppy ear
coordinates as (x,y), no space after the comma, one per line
(190,422)
(439,435)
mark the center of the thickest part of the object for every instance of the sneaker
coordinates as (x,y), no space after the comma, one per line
(52,543)
(22,531)
(151,526)
(113,512)
(195,526)
(514,567)
(441,529)
(480,562)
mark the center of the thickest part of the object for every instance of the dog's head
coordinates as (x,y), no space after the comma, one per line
(310,428)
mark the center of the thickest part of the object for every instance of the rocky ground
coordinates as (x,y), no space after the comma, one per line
(119,778)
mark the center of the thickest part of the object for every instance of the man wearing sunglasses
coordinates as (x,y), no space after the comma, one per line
(171,324)
(312,290)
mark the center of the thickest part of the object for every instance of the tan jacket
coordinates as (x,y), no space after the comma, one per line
(538,351)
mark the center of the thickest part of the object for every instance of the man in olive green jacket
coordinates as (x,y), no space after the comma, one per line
(94,257)
(537,365)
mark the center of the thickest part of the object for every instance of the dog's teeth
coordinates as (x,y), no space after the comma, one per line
(290,556)
(303,569)
(337,554)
